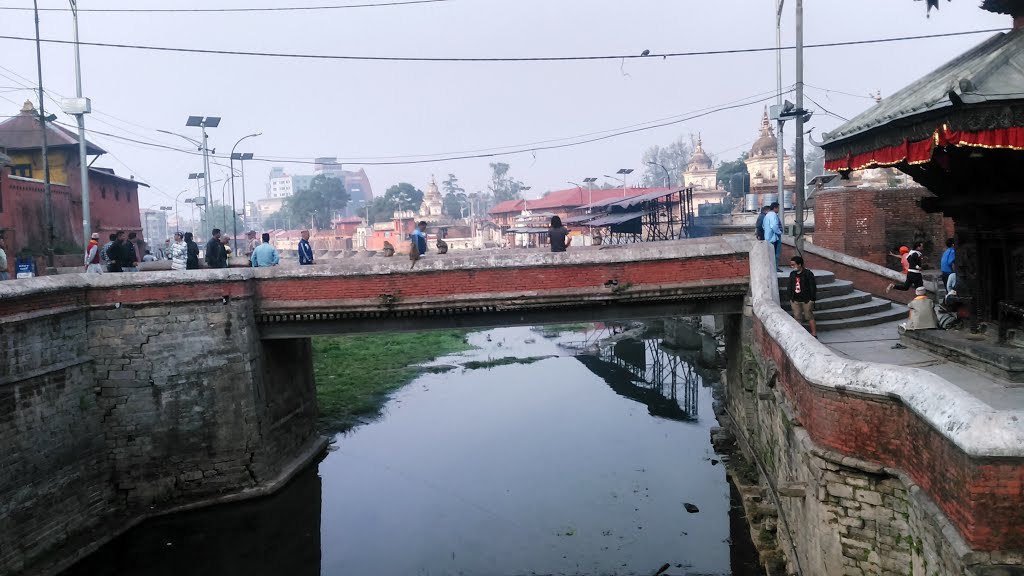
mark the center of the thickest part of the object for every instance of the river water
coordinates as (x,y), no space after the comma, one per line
(594,460)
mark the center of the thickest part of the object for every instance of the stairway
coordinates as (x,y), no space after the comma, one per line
(840,305)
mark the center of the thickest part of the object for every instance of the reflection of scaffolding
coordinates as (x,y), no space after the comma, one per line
(643,371)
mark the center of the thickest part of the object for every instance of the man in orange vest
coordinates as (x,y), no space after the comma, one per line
(92,255)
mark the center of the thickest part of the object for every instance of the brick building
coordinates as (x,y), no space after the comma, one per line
(113,200)
(869,222)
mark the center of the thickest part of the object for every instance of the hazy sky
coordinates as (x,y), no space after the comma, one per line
(358,110)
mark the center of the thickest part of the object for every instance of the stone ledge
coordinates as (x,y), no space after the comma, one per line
(975,428)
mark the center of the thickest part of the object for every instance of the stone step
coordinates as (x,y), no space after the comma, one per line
(875,305)
(895,312)
(830,290)
(841,301)
(820,276)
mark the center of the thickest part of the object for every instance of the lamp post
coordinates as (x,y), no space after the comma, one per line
(203,123)
(46,164)
(79,107)
(668,179)
(625,172)
(590,191)
(177,219)
(241,157)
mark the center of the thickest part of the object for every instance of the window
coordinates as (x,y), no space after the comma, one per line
(128,195)
(117,194)
(23,170)
(103,192)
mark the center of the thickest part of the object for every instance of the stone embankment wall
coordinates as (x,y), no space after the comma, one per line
(877,470)
(122,399)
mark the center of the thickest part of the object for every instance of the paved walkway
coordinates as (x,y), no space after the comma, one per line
(875,344)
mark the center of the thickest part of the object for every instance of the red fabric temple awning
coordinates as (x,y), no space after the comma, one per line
(920,151)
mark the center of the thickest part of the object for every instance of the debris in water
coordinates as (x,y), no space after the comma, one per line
(661,570)
(714,462)
(690,508)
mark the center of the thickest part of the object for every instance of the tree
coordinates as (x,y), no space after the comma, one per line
(454,203)
(318,204)
(735,176)
(451,185)
(402,196)
(674,157)
(219,216)
(503,187)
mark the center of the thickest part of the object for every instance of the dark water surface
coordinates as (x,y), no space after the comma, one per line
(570,465)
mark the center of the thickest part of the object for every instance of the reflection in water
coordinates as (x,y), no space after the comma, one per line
(275,535)
(546,468)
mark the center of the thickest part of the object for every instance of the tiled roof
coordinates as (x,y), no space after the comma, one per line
(570,198)
(991,71)
(22,132)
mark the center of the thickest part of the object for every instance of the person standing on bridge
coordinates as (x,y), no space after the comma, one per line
(92,255)
(305,250)
(265,255)
(177,253)
(803,291)
(773,231)
(216,256)
(758,230)
(191,253)
(558,235)
(4,274)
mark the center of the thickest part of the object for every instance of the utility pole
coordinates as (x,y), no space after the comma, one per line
(780,149)
(46,162)
(799,205)
(80,108)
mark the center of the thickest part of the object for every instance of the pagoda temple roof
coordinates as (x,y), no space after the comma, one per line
(992,71)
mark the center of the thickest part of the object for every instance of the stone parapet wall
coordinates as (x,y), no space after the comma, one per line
(901,471)
(866,276)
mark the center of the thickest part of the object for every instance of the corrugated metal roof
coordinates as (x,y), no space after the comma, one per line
(991,71)
(614,219)
(635,200)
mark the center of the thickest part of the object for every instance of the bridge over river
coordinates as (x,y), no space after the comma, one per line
(126,395)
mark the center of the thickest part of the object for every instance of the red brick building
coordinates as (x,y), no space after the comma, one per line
(113,201)
(869,222)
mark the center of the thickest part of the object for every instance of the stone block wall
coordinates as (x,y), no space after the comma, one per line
(119,402)
(845,516)
(54,482)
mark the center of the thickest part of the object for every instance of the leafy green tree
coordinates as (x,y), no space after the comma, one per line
(674,157)
(451,185)
(503,187)
(219,216)
(740,185)
(318,204)
(402,196)
(454,203)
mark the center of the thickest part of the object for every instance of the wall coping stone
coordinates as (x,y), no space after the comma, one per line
(976,428)
(847,260)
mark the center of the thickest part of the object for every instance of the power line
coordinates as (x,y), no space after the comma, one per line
(829,91)
(496,59)
(826,110)
(224,10)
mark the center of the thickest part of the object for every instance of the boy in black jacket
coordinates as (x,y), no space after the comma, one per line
(803,291)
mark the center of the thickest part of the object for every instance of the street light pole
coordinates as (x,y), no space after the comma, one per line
(590,191)
(780,148)
(240,157)
(46,162)
(82,107)
(799,232)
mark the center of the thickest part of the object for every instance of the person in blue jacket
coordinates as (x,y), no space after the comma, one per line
(948,264)
(305,250)
(773,231)
(419,237)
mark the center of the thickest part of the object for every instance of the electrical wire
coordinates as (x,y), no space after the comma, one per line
(830,91)
(210,51)
(222,10)
(825,110)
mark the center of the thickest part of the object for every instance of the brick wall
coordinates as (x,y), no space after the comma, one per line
(868,222)
(450,283)
(982,498)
